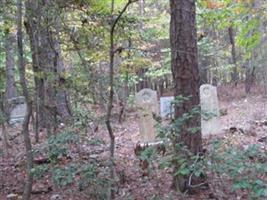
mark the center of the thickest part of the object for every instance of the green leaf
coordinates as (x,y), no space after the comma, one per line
(241,185)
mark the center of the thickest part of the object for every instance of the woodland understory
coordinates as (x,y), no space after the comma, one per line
(75,69)
(243,126)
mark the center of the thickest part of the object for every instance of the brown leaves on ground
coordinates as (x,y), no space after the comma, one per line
(244,123)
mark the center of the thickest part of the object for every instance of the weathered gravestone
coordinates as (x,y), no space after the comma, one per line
(147,103)
(210,123)
(166,107)
(18,109)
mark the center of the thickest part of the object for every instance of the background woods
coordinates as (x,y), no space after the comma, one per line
(117,99)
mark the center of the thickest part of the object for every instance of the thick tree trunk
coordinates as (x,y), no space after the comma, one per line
(10,65)
(48,63)
(183,38)
(63,108)
(43,62)
(33,30)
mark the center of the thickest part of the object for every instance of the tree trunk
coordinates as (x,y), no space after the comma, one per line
(185,72)
(47,59)
(111,93)
(126,80)
(110,105)
(250,73)
(233,52)
(141,12)
(63,108)
(2,123)
(123,101)
(25,126)
(141,72)
(10,65)
(5,138)
(33,30)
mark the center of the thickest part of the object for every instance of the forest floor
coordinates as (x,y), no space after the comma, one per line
(243,124)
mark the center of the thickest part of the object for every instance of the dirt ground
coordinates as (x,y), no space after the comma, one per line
(243,112)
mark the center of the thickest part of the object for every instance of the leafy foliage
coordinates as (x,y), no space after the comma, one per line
(58,145)
(93,182)
(40,171)
(245,168)
(64,176)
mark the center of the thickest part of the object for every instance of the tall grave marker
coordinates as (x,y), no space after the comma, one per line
(147,103)
(210,123)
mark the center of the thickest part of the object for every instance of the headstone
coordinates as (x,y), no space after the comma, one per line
(147,103)
(18,109)
(166,107)
(210,123)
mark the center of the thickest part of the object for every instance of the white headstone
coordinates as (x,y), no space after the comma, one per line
(166,107)
(210,123)
(147,103)
(18,109)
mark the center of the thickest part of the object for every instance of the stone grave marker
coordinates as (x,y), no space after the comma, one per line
(166,108)
(147,104)
(18,109)
(210,123)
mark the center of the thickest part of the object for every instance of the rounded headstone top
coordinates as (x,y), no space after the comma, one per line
(207,90)
(146,96)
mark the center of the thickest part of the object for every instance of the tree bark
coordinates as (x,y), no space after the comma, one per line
(63,108)
(10,39)
(3,119)
(184,64)
(25,126)
(143,83)
(32,25)
(250,73)
(43,27)
(233,52)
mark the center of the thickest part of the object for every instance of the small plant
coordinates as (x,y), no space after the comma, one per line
(146,156)
(58,144)
(64,176)
(39,171)
(83,119)
(93,182)
(245,169)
